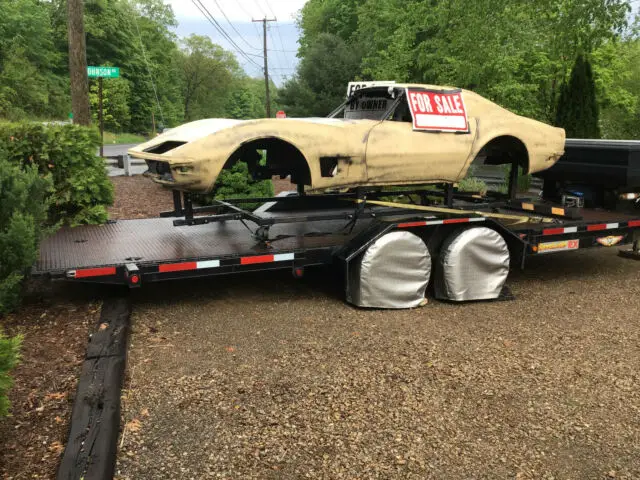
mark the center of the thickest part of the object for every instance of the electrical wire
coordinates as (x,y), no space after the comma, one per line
(234,28)
(207,14)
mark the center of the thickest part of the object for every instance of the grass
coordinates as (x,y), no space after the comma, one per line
(122,138)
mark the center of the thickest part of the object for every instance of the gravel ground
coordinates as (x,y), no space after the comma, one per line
(263,376)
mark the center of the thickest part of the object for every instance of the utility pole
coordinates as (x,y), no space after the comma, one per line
(78,63)
(266,65)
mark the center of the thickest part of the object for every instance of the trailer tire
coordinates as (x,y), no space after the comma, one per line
(393,272)
(473,264)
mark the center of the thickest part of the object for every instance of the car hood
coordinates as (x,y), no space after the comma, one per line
(192,131)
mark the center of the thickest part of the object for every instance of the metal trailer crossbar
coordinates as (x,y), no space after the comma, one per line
(349,230)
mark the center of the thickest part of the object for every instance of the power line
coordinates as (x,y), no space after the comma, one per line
(234,28)
(218,27)
(259,8)
(276,25)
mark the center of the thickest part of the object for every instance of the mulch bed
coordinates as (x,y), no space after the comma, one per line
(55,325)
(139,197)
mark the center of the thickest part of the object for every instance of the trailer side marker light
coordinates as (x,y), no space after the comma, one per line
(95,272)
(634,223)
(528,206)
(177,267)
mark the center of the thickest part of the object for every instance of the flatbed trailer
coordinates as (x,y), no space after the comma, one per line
(388,253)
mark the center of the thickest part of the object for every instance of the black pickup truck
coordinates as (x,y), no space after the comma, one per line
(602,173)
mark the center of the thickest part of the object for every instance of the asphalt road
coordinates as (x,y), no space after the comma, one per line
(115,150)
(263,376)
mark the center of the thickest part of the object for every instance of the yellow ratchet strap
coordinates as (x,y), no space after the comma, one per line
(516,218)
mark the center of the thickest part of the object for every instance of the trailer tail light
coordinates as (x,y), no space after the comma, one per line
(298,272)
(132,273)
(630,196)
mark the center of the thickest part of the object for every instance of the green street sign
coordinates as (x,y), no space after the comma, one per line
(104,72)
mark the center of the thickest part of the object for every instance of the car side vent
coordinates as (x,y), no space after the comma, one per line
(164,147)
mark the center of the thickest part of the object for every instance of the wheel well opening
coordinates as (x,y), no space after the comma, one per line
(271,156)
(504,150)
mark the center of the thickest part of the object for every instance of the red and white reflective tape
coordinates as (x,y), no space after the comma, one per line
(184,266)
(559,231)
(281,257)
(447,221)
(181,267)
(602,226)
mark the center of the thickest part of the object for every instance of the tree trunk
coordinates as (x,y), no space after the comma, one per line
(78,63)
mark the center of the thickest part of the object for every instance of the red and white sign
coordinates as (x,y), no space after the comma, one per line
(437,111)
(281,114)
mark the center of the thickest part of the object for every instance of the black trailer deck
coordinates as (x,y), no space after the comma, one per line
(290,234)
(156,240)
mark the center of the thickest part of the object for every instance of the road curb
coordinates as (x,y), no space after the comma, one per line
(90,453)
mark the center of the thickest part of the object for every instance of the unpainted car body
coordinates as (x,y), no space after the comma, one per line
(322,153)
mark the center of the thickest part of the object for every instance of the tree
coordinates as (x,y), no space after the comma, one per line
(115,109)
(321,80)
(78,63)
(207,72)
(577,106)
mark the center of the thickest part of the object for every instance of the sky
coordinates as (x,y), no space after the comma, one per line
(282,35)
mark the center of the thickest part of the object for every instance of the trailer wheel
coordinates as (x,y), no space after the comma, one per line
(393,272)
(473,264)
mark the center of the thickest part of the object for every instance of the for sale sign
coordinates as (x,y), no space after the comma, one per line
(439,111)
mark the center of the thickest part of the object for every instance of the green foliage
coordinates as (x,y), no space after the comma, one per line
(472,184)
(9,356)
(24,198)
(248,98)
(336,17)
(208,75)
(617,76)
(236,182)
(321,81)
(515,53)
(66,153)
(577,107)
(115,107)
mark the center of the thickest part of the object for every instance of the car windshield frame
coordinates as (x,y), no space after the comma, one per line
(396,94)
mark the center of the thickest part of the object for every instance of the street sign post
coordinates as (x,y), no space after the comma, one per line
(100,73)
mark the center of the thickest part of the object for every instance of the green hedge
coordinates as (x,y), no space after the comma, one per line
(9,356)
(81,188)
(24,202)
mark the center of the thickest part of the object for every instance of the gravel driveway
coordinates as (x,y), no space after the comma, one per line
(263,376)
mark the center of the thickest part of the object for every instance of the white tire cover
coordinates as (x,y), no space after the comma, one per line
(392,273)
(473,265)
